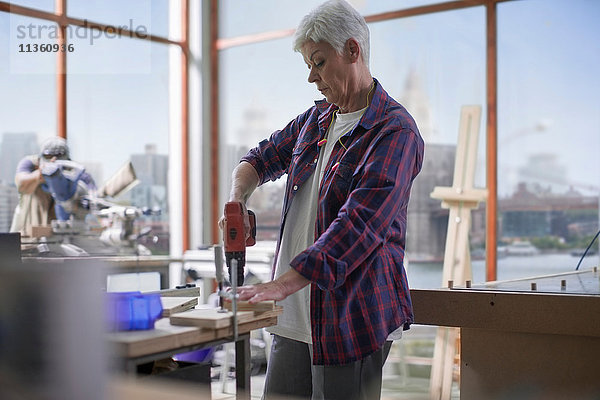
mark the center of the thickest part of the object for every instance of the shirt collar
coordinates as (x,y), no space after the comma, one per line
(377,107)
(373,114)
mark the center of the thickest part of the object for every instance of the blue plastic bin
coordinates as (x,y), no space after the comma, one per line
(130,311)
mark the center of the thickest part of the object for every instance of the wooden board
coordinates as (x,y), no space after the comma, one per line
(260,319)
(247,326)
(209,318)
(172,305)
(584,282)
(183,292)
(258,307)
(165,336)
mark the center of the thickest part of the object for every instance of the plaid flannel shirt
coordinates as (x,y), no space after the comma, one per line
(359,289)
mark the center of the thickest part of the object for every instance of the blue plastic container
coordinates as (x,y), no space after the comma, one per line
(130,311)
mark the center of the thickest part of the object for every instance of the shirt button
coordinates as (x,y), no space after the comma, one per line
(315,160)
(295,187)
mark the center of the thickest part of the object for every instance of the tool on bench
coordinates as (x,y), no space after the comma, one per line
(223,294)
(235,242)
(234,237)
(219,276)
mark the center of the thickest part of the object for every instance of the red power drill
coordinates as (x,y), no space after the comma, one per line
(234,237)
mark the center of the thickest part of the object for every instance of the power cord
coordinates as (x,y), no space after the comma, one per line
(586,250)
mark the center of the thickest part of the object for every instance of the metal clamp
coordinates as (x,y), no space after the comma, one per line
(224,294)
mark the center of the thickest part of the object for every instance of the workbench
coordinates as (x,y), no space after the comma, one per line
(138,347)
(529,338)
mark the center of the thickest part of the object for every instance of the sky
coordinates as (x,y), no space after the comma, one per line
(548,90)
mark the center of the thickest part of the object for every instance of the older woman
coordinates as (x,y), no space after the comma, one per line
(350,161)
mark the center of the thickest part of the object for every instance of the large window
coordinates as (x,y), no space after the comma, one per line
(116,116)
(239,18)
(548,135)
(153,15)
(114,97)
(435,63)
(275,90)
(25,92)
(547,102)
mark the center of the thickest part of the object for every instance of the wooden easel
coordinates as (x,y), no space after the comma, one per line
(461,198)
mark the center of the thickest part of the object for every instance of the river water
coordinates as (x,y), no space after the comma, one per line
(429,275)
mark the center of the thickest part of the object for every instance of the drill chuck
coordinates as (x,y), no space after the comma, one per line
(240,256)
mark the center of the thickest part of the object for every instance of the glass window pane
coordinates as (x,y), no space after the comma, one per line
(433,65)
(269,91)
(112,54)
(45,5)
(548,137)
(114,118)
(240,17)
(27,109)
(368,7)
(150,16)
(31,45)
(421,71)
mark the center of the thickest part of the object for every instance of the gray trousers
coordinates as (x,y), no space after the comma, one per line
(290,372)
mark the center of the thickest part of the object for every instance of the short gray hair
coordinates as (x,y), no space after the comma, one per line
(334,22)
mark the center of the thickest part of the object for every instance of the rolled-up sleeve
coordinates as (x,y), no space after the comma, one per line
(272,156)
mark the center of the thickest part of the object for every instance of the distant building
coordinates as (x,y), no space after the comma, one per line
(414,99)
(152,171)
(8,201)
(544,170)
(13,148)
(427,220)
(150,167)
(530,213)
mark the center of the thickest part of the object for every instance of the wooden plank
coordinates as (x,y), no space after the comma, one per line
(575,282)
(246,327)
(173,305)
(182,292)
(551,313)
(258,307)
(209,318)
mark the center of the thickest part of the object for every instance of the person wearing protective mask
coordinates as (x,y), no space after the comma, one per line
(36,205)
